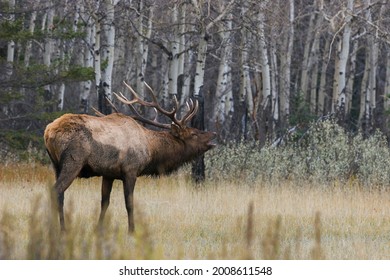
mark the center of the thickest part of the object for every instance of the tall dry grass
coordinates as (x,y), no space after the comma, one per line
(175,220)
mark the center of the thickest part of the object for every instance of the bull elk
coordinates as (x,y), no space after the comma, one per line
(117,146)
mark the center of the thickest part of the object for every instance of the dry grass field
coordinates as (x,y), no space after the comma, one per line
(175,220)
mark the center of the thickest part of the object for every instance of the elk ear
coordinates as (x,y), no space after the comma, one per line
(175,130)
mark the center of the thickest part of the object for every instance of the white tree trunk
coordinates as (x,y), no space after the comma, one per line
(387,83)
(11,43)
(322,87)
(67,49)
(374,48)
(372,77)
(336,76)
(31,29)
(313,61)
(224,87)
(61,97)
(364,113)
(274,84)
(245,84)
(202,47)
(173,72)
(10,54)
(108,52)
(185,86)
(88,59)
(286,66)
(142,50)
(60,94)
(351,77)
(343,58)
(313,78)
(307,60)
(369,78)
(96,46)
(48,41)
(186,89)
(145,30)
(60,48)
(201,63)
(264,58)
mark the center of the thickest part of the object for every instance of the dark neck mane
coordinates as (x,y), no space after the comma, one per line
(168,154)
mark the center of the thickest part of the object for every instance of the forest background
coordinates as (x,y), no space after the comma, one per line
(260,68)
(297,91)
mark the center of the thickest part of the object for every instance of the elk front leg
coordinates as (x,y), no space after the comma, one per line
(60,201)
(106,192)
(128,190)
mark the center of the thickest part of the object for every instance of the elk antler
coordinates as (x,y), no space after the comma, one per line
(100,114)
(192,108)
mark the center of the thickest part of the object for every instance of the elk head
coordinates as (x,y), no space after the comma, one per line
(196,141)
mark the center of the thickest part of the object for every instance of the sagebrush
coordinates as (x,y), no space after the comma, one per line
(324,154)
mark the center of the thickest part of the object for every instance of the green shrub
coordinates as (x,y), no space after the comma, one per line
(325,153)
(372,159)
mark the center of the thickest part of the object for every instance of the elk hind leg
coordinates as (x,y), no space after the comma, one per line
(66,175)
(106,192)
